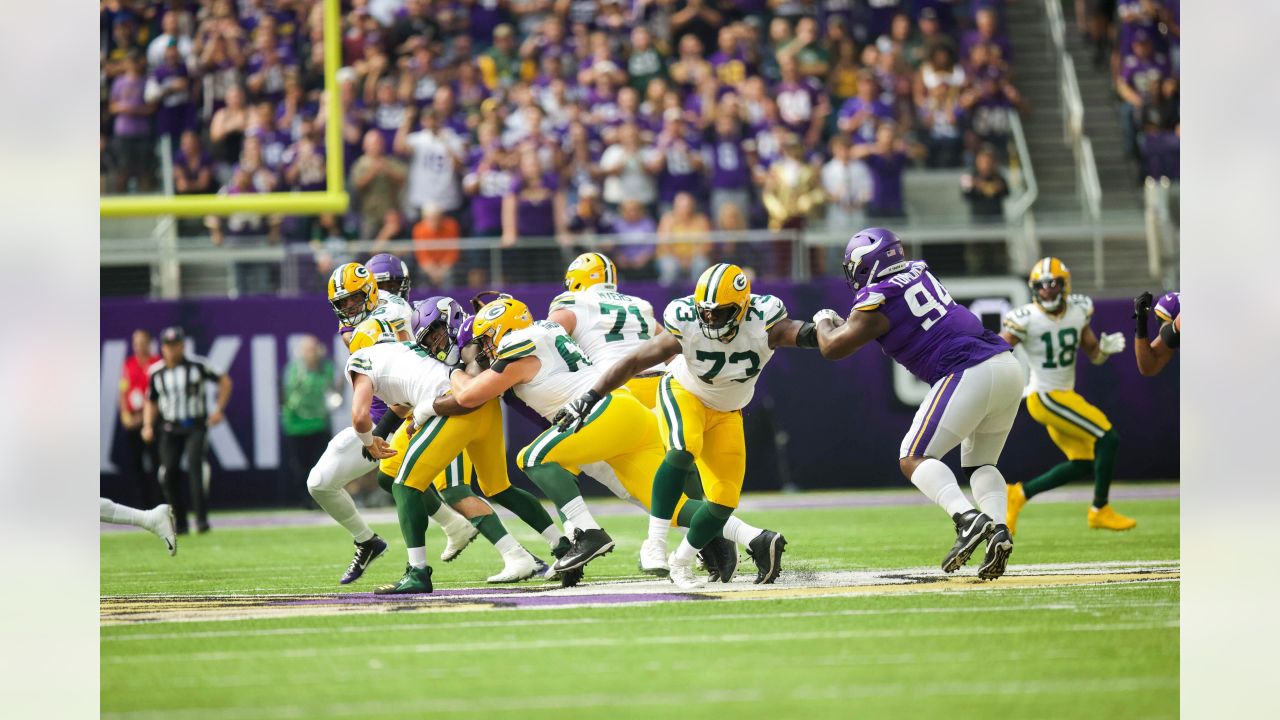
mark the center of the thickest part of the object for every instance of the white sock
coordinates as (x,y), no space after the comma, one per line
(939,484)
(446,517)
(552,535)
(990,492)
(418,557)
(739,532)
(577,512)
(685,553)
(658,529)
(341,508)
(118,514)
(507,545)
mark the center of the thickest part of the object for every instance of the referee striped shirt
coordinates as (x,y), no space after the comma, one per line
(179,391)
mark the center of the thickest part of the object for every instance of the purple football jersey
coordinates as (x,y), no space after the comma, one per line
(929,334)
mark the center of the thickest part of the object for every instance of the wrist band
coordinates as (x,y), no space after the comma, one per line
(366,437)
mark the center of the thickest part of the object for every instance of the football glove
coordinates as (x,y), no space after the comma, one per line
(1111,343)
(1141,308)
(574,415)
(827,314)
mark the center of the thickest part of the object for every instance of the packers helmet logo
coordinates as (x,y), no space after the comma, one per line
(495,312)
(361,271)
(740,282)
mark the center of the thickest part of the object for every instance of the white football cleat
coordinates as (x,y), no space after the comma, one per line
(683,576)
(459,536)
(162,525)
(519,566)
(653,558)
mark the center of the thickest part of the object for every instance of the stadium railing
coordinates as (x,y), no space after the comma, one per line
(1161,204)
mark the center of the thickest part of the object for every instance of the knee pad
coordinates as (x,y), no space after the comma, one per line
(315,481)
(1109,439)
(456,494)
(681,459)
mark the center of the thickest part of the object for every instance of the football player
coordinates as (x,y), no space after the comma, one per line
(1153,355)
(407,377)
(1052,329)
(609,326)
(976,385)
(355,296)
(158,520)
(722,336)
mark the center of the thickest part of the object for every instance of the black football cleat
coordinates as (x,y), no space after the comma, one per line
(721,559)
(766,550)
(587,546)
(972,527)
(999,548)
(366,553)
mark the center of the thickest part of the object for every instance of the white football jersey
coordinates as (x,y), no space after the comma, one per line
(1052,342)
(722,375)
(566,371)
(610,324)
(402,374)
(395,310)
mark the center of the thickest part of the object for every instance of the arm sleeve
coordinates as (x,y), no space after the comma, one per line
(389,423)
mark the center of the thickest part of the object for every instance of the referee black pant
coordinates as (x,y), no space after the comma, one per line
(174,444)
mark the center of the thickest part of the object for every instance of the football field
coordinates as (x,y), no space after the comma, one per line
(249,622)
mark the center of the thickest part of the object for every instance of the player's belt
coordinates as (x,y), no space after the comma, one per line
(651,374)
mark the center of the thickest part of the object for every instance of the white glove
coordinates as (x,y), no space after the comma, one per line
(827,314)
(1111,343)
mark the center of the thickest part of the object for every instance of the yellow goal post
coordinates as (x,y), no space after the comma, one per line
(332,200)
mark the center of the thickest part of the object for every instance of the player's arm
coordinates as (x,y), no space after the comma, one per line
(793,333)
(655,350)
(565,318)
(1009,338)
(1151,355)
(362,420)
(149,412)
(839,339)
(470,393)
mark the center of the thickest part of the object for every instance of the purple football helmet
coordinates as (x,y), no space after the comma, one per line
(438,310)
(466,331)
(872,254)
(391,273)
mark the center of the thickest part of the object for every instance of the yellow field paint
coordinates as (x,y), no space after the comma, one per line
(946,584)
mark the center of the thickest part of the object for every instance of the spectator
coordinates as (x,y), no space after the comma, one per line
(939,120)
(309,391)
(192,166)
(732,156)
(676,160)
(377,180)
(729,61)
(140,457)
(887,158)
(860,115)
(1161,133)
(987,103)
(169,90)
(940,68)
(848,185)
(683,249)
(624,167)
(246,229)
(589,216)
(915,49)
(791,189)
(500,64)
(985,32)
(802,105)
(811,59)
(226,130)
(645,62)
(1139,84)
(171,35)
(635,232)
(984,188)
(131,127)
(534,208)
(436,263)
(437,155)
(177,417)
(690,67)
(842,82)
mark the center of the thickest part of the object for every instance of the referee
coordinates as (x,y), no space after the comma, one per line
(177,414)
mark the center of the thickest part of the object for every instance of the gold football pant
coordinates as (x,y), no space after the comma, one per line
(432,455)
(1073,424)
(713,437)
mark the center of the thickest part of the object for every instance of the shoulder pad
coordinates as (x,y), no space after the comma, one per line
(359,362)
(515,346)
(768,308)
(562,301)
(678,313)
(868,300)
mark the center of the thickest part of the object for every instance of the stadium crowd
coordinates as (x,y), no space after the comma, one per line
(511,119)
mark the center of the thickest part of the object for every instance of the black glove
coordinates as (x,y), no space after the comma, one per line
(575,413)
(364,450)
(1141,309)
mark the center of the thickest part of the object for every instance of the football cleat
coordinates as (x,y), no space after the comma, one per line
(570,578)
(366,552)
(162,524)
(587,546)
(459,535)
(653,558)
(766,550)
(972,527)
(1105,518)
(519,566)
(682,574)
(541,569)
(721,558)
(1017,498)
(415,580)
(999,548)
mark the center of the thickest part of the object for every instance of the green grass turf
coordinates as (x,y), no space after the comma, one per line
(1085,651)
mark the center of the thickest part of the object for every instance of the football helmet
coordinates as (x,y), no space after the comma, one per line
(590,269)
(871,254)
(371,332)
(391,273)
(721,299)
(353,293)
(436,322)
(496,319)
(1050,273)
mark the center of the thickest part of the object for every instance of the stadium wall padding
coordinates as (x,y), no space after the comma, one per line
(837,425)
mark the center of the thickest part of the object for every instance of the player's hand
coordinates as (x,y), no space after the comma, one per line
(1142,305)
(574,415)
(1111,343)
(216,417)
(827,314)
(148,433)
(379,450)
